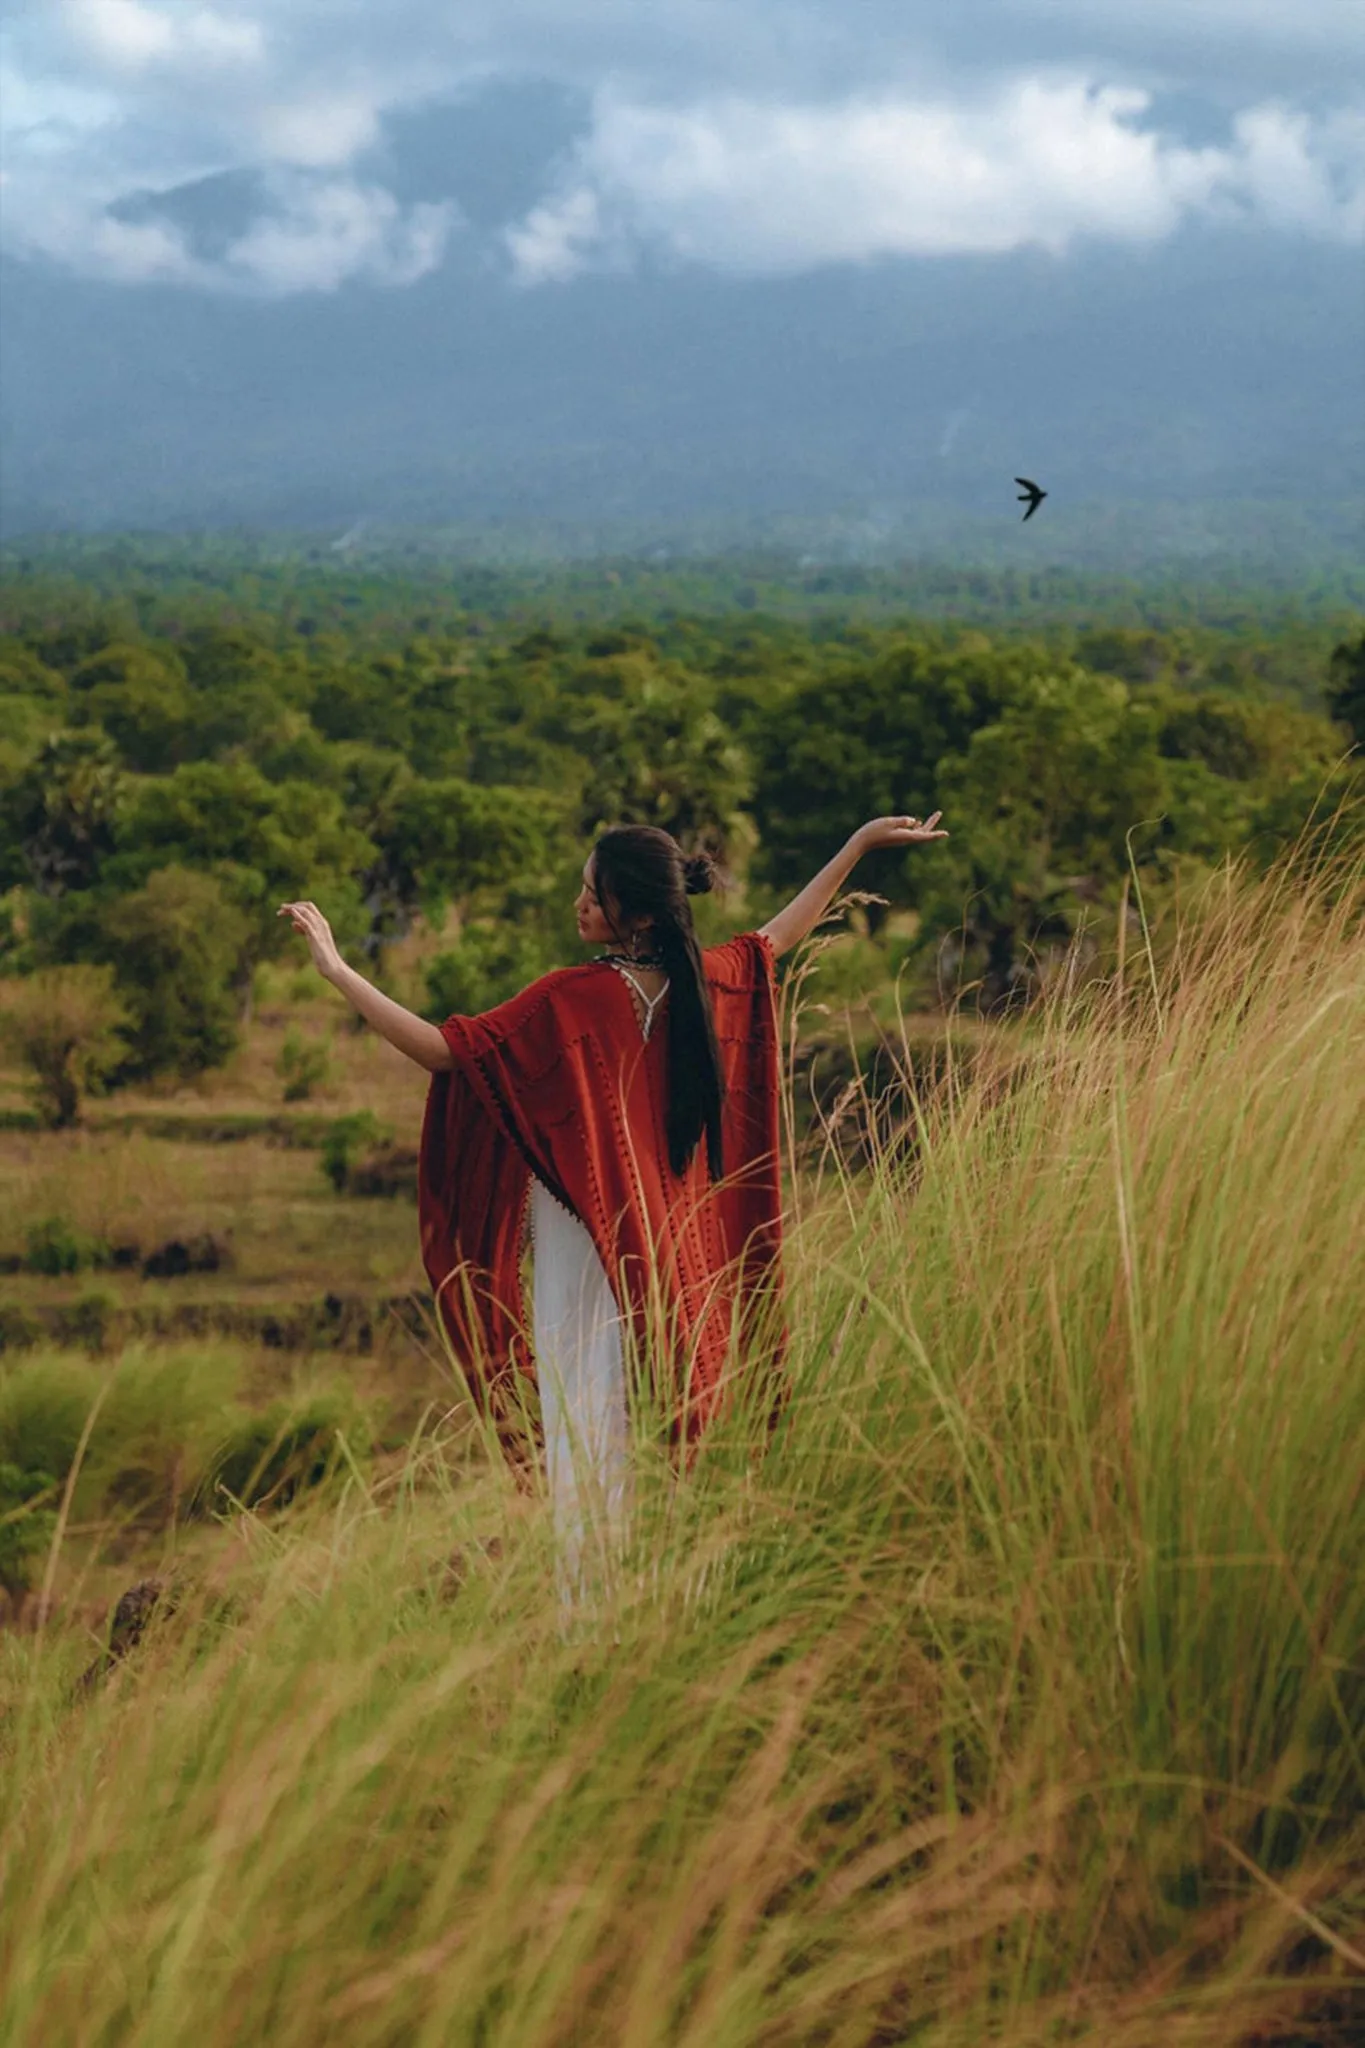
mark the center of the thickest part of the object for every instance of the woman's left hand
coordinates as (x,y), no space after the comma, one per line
(309,920)
(897,832)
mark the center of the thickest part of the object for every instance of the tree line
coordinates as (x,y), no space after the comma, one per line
(165,781)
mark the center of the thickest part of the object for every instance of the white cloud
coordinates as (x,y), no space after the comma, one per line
(159,96)
(126,35)
(101,245)
(559,239)
(751,187)
(142,252)
(322,131)
(46,114)
(121,32)
(1297,175)
(314,235)
(331,231)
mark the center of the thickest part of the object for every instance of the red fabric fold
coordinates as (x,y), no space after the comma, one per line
(560,1082)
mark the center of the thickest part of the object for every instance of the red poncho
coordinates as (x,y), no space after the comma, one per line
(562,1083)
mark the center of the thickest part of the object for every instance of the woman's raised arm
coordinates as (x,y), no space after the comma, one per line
(412,1035)
(804,912)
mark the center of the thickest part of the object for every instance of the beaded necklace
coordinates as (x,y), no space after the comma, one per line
(623,963)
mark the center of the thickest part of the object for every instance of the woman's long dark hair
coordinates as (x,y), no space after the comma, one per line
(640,872)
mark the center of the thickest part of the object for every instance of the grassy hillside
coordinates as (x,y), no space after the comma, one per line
(1015,1694)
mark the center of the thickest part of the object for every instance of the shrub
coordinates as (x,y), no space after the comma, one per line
(66,1025)
(167,1412)
(170,1430)
(19,1331)
(346,1139)
(13,932)
(43,1406)
(205,1253)
(54,1246)
(385,1170)
(25,1526)
(291,1446)
(303,1065)
(92,1320)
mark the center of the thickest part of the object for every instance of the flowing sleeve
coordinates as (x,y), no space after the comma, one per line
(745,962)
(742,975)
(509,1057)
(478,1152)
(743,983)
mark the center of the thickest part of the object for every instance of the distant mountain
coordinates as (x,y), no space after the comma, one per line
(895,398)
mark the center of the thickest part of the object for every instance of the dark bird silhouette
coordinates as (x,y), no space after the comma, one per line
(1033,494)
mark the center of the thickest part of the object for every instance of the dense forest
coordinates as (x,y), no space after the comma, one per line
(192,732)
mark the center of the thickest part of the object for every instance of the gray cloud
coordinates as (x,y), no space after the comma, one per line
(754,137)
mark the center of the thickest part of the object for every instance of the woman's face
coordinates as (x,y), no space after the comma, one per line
(593,927)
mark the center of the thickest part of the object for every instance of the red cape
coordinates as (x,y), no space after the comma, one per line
(560,1082)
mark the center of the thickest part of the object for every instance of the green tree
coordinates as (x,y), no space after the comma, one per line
(654,748)
(1224,754)
(58,817)
(1346,687)
(177,946)
(445,840)
(1241,738)
(666,760)
(33,703)
(141,698)
(866,739)
(65,1024)
(1040,804)
(491,963)
(246,695)
(418,700)
(1133,654)
(264,842)
(22,674)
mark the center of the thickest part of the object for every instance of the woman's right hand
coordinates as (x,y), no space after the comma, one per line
(897,832)
(309,920)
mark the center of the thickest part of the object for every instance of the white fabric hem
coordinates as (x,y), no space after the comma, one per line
(580,1367)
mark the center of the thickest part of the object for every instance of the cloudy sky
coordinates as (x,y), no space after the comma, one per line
(560,158)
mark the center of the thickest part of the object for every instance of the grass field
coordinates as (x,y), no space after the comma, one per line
(1016,1694)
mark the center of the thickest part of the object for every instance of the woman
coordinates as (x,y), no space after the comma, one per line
(624,1115)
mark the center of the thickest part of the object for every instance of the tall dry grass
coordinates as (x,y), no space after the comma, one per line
(1017,1694)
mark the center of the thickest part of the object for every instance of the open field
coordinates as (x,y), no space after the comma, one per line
(1016,1694)
(228,1158)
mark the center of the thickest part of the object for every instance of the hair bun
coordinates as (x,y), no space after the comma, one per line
(699,874)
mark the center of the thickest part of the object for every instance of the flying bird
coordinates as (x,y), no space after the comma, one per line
(1033,494)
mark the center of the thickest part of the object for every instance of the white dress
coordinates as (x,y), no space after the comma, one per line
(580,1368)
